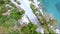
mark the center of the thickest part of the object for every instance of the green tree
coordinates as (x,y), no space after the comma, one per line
(30,29)
(17,14)
(14,32)
(45,22)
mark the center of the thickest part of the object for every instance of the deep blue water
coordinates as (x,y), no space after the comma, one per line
(52,7)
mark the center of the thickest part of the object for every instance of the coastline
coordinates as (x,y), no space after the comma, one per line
(40,6)
(56,29)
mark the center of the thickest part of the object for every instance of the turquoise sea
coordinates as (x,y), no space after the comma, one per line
(52,7)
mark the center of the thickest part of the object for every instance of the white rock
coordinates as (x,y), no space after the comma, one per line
(57,31)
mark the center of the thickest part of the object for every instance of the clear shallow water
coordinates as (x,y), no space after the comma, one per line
(53,7)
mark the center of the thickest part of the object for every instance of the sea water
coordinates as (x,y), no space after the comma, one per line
(52,7)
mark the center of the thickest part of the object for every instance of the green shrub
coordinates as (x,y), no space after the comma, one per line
(14,32)
(30,29)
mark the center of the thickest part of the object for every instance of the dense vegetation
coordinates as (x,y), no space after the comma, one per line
(30,29)
(9,20)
